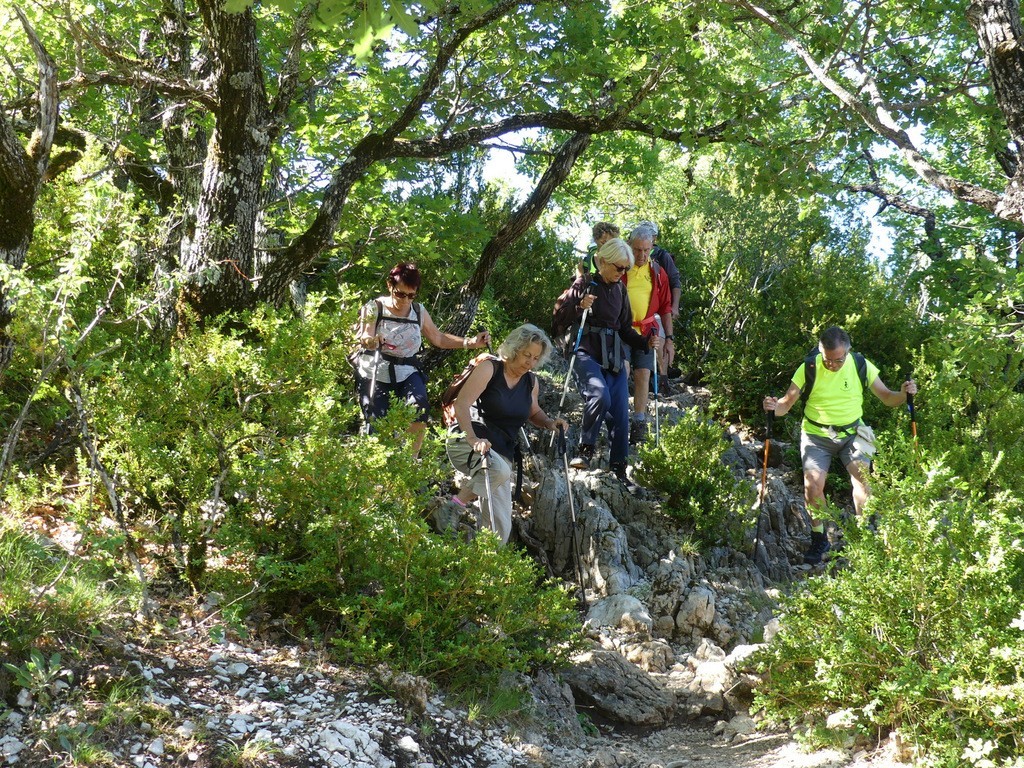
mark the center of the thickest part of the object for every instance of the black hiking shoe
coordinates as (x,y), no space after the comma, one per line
(818,549)
(583,457)
(637,432)
(619,470)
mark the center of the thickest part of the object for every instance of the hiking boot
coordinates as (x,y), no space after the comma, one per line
(637,432)
(675,371)
(619,470)
(666,389)
(818,549)
(583,457)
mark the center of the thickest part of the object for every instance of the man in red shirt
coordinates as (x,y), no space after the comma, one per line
(650,299)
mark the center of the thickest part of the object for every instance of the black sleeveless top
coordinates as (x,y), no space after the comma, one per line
(503,410)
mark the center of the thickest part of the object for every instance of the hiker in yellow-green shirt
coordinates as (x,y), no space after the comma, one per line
(834,379)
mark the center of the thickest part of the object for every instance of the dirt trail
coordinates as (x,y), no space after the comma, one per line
(693,746)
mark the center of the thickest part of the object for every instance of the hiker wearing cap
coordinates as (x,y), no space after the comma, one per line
(835,379)
(391,332)
(651,304)
(494,403)
(600,357)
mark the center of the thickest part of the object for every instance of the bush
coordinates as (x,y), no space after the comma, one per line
(701,491)
(922,632)
(235,444)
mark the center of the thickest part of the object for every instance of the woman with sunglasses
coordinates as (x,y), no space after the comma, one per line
(600,367)
(395,326)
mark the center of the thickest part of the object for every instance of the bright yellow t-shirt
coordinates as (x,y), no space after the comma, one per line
(837,398)
(640,288)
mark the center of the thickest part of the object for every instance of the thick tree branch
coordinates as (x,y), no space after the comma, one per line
(46,122)
(438,146)
(273,283)
(441,61)
(521,219)
(288,79)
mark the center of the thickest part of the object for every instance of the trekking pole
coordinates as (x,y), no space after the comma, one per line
(572,358)
(769,422)
(572,516)
(373,390)
(657,420)
(529,447)
(486,459)
(913,426)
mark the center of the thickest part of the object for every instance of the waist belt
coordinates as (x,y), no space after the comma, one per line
(392,361)
(835,429)
(611,347)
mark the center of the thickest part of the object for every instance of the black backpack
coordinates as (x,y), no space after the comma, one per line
(811,370)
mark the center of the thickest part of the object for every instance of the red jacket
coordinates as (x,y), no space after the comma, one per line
(661,298)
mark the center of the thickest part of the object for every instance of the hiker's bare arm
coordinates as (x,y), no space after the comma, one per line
(781,405)
(890,397)
(450,341)
(367,326)
(540,419)
(470,392)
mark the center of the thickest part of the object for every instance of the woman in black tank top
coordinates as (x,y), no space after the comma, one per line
(498,398)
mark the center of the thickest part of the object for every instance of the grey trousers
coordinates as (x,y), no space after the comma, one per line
(469,463)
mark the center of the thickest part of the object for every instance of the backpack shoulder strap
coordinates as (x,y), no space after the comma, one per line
(862,368)
(419,313)
(380,314)
(810,372)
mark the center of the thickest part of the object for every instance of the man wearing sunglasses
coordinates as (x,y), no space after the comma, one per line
(833,424)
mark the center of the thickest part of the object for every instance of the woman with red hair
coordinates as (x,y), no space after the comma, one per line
(394,326)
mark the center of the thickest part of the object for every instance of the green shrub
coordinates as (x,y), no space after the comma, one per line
(922,632)
(701,491)
(233,451)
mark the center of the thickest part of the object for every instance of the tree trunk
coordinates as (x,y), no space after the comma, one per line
(21,177)
(220,260)
(998,25)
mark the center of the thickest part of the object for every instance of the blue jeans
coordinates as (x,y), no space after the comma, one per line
(413,391)
(605,400)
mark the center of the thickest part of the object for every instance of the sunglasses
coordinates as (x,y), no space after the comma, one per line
(402,294)
(621,270)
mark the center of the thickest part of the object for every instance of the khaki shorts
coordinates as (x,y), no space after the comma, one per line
(817,452)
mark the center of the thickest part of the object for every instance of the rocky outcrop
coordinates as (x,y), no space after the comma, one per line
(662,619)
(618,690)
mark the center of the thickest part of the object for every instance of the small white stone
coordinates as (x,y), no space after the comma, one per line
(408,744)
